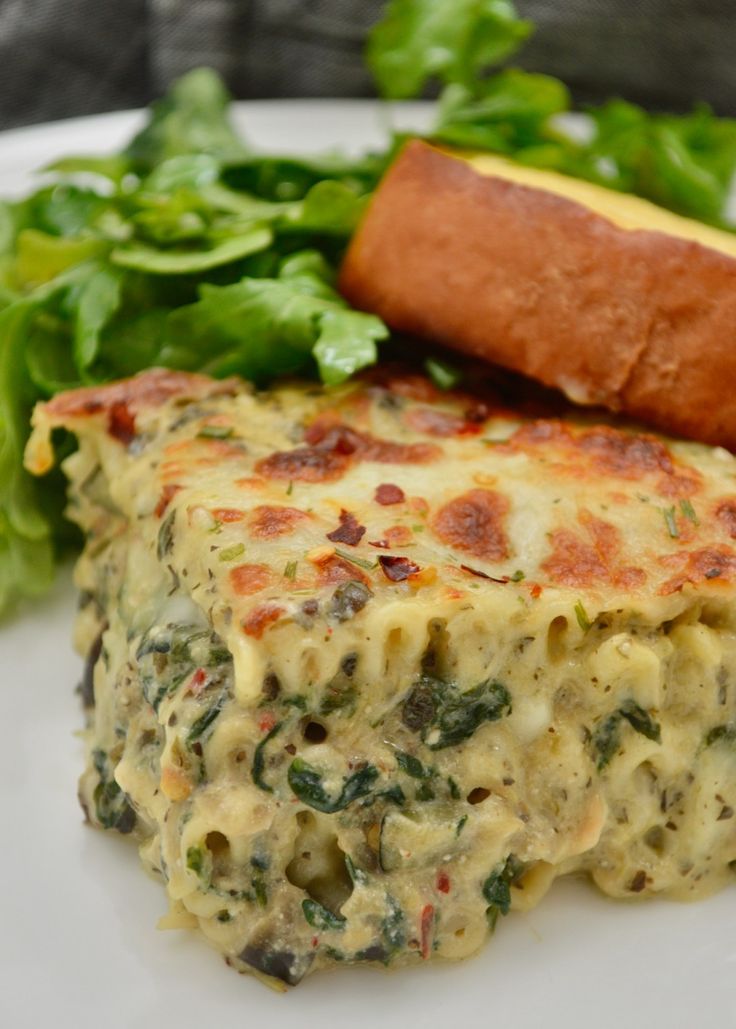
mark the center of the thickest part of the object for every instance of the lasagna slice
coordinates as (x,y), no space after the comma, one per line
(368,667)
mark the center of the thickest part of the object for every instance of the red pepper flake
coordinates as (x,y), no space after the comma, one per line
(483,575)
(167,494)
(315,941)
(349,531)
(427,924)
(260,618)
(397,569)
(535,590)
(228,514)
(443,882)
(387,493)
(267,721)
(198,682)
(121,422)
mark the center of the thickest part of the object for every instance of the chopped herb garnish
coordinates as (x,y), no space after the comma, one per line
(230,553)
(290,570)
(518,576)
(582,616)
(671,522)
(166,536)
(353,559)
(290,488)
(460,826)
(444,375)
(689,511)
(199,861)
(215,432)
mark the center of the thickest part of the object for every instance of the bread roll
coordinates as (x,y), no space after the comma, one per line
(604,296)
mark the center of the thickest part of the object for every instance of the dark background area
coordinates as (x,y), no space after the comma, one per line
(69,57)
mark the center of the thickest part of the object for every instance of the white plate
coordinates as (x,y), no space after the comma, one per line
(78,946)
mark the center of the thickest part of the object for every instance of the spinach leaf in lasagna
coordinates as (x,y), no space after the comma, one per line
(497,888)
(307,783)
(444,716)
(606,739)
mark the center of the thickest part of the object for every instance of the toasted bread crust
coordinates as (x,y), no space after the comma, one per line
(637,320)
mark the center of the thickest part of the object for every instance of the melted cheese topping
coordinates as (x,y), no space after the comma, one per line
(378,663)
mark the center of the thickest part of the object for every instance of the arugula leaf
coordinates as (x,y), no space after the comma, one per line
(421,39)
(40,257)
(149,259)
(506,113)
(682,162)
(193,118)
(262,327)
(285,179)
(329,207)
(26,549)
(115,167)
(98,301)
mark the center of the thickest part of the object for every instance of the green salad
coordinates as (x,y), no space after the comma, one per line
(192,251)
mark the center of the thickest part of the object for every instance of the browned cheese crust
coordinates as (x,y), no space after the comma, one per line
(637,320)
